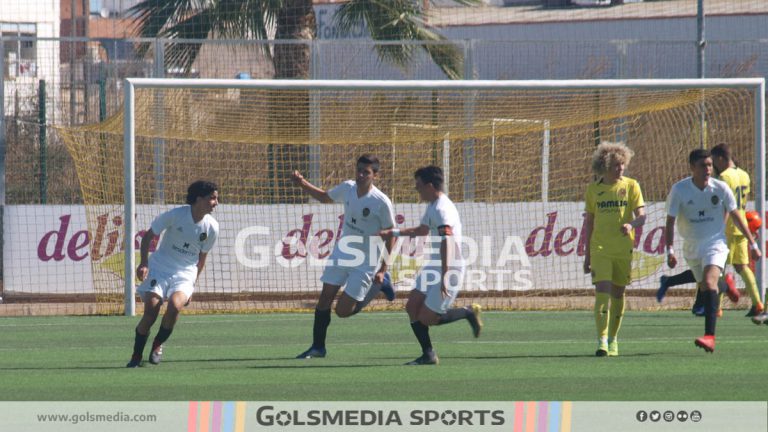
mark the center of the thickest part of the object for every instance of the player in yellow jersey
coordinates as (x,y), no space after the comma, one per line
(738,180)
(614,208)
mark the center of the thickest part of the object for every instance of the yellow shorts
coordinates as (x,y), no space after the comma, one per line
(738,248)
(616,270)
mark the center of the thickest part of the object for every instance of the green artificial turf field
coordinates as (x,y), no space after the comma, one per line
(519,356)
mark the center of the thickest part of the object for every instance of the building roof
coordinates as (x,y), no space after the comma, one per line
(536,13)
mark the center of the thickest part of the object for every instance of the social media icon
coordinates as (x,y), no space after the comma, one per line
(682,416)
(655,416)
(696,416)
(669,416)
(641,416)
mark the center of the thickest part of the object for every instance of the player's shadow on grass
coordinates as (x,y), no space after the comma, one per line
(539,356)
(121,366)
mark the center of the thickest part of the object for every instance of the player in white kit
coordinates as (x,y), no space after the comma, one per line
(699,204)
(439,280)
(171,271)
(352,264)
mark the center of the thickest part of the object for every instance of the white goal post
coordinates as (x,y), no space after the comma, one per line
(755,85)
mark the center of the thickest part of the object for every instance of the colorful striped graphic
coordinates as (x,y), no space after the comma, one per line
(542,417)
(216,416)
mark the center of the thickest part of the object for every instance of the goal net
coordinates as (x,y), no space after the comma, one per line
(516,156)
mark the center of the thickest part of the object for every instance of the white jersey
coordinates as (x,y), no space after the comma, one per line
(364,217)
(443,220)
(701,215)
(183,241)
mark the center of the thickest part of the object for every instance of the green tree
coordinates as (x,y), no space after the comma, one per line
(386,20)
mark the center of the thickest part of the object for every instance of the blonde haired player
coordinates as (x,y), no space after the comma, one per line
(614,208)
(738,180)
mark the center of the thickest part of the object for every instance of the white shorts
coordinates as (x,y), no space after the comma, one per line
(697,265)
(429,281)
(165,284)
(358,281)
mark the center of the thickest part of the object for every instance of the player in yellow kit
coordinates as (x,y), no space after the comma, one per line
(614,208)
(738,181)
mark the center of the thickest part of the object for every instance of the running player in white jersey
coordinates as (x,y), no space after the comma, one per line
(699,205)
(367,210)
(439,280)
(171,271)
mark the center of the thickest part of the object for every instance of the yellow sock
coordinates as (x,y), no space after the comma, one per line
(750,284)
(617,314)
(601,313)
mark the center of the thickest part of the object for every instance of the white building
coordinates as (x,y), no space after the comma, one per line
(25,59)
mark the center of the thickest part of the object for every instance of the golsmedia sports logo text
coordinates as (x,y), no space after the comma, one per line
(268,415)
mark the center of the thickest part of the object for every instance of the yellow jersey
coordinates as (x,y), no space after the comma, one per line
(613,206)
(738,180)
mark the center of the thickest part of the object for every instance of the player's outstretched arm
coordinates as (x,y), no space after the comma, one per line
(419,231)
(314,191)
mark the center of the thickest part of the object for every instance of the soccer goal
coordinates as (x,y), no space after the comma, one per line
(517,152)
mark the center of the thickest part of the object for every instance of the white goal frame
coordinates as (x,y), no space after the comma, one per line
(131,84)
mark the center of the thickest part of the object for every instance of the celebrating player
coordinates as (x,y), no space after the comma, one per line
(170,273)
(439,280)
(614,208)
(367,210)
(699,204)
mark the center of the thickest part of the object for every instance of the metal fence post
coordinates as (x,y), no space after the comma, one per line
(43,137)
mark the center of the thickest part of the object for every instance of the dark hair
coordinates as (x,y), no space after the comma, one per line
(371,160)
(430,174)
(698,154)
(722,150)
(200,188)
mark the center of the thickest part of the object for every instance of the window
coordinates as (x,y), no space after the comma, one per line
(20,49)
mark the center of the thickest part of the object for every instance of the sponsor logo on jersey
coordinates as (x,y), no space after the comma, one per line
(609,204)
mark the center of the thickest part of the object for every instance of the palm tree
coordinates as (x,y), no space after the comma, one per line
(386,20)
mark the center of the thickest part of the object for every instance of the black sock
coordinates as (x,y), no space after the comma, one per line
(320,329)
(358,307)
(699,302)
(711,305)
(722,286)
(139,342)
(161,337)
(422,335)
(681,279)
(452,315)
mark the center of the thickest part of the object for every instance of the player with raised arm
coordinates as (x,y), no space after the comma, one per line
(367,210)
(171,271)
(439,280)
(614,208)
(699,205)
